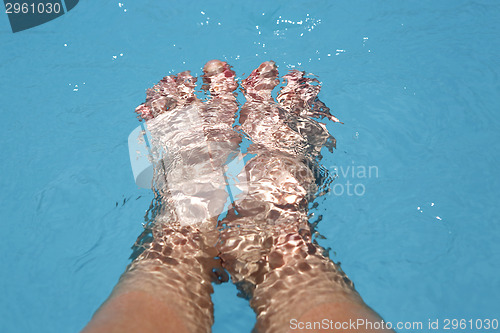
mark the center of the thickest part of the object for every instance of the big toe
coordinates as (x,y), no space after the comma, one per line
(219,78)
(262,80)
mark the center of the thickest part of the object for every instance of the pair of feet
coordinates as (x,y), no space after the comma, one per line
(204,133)
(278,180)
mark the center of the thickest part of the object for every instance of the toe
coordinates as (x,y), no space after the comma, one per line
(300,96)
(219,78)
(172,91)
(185,85)
(159,98)
(260,83)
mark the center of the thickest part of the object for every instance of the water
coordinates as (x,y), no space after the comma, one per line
(415,83)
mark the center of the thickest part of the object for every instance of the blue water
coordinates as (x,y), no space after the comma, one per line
(415,82)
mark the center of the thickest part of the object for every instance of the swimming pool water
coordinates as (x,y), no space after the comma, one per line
(416,84)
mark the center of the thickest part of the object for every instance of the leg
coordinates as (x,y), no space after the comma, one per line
(167,287)
(267,245)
